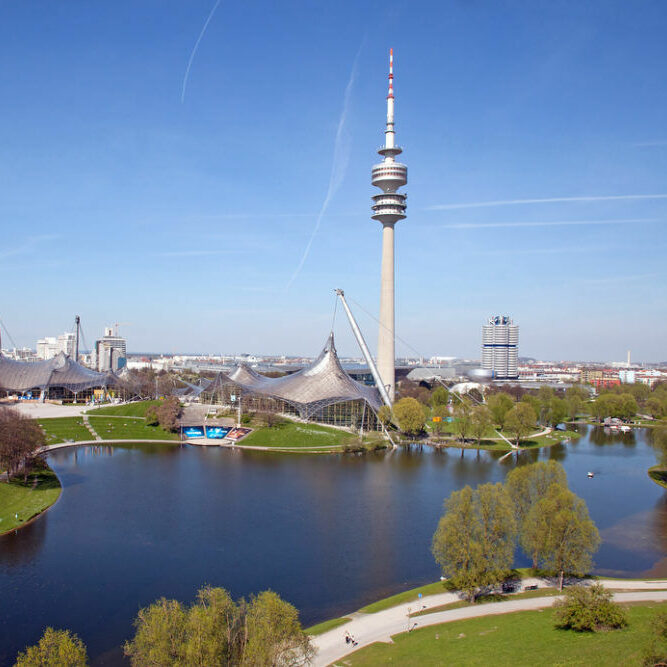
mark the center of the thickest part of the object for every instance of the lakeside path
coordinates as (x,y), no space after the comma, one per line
(380,626)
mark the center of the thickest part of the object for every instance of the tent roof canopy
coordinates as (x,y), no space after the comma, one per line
(323,382)
(60,371)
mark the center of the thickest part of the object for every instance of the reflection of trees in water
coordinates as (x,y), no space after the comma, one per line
(601,436)
(21,547)
(659,522)
(657,438)
(471,469)
(645,534)
(557,452)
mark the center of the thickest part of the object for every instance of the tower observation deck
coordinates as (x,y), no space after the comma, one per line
(388,208)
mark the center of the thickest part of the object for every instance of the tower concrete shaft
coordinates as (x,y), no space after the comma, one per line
(388,208)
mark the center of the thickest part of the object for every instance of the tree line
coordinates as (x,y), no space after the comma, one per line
(516,411)
(214,631)
(476,537)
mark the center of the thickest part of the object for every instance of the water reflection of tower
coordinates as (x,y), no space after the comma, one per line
(389,207)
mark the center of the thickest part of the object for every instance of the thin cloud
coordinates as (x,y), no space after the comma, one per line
(341,158)
(194,50)
(544,223)
(619,279)
(536,251)
(549,200)
(28,246)
(548,223)
(195,253)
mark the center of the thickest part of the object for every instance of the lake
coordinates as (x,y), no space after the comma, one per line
(329,533)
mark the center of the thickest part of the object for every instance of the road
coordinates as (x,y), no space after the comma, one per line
(380,626)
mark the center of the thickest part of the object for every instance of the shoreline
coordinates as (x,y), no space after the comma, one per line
(42,511)
(388,620)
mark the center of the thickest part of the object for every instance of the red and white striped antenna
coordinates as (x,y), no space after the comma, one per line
(391,73)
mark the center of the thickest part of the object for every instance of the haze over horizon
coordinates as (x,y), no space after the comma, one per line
(201,170)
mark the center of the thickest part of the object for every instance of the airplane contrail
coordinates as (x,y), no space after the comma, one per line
(194,50)
(339,164)
(550,200)
(548,223)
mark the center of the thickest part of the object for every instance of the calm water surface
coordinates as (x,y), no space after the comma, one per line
(329,533)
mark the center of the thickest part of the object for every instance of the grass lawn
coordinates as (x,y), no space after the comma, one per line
(406,596)
(27,500)
(494,597)
(135,409)
(325,626)
(293,435)
(132,428)
(547,440)
(659,475)
(60,429)
(552,438)
(520,638)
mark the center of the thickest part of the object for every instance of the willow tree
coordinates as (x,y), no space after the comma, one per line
(474,541)
(520,421)
(560,533)
(56,647)
(528,484)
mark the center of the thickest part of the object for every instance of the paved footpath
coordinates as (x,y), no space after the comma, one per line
(380,626)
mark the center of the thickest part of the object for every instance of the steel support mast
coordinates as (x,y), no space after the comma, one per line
(364,349)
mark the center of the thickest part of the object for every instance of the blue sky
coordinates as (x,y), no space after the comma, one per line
(185,210)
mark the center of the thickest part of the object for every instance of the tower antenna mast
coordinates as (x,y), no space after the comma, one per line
(388,208)
(77,321)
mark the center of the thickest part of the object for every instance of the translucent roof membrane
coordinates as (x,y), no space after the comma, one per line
(322,383)
(60,371)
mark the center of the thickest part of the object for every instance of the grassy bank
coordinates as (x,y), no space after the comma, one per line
(130,428)
(519,638)
(293,435)
(20,502)
(61,429)
(659,475)
(493,597)
(547,440)
(406,596)
(325,626)
(135,409)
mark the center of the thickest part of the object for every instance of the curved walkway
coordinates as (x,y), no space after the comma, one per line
(380,626)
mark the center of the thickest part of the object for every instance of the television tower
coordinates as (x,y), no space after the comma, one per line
(388,207)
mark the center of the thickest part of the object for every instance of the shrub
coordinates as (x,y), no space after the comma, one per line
(655,652)
(588,609)
(152,418)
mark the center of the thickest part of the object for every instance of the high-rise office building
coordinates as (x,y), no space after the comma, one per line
(500,348)
(110,351)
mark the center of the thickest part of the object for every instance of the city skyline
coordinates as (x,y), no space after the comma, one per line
(163,167)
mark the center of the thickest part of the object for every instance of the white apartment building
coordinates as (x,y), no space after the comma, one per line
(50,346)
